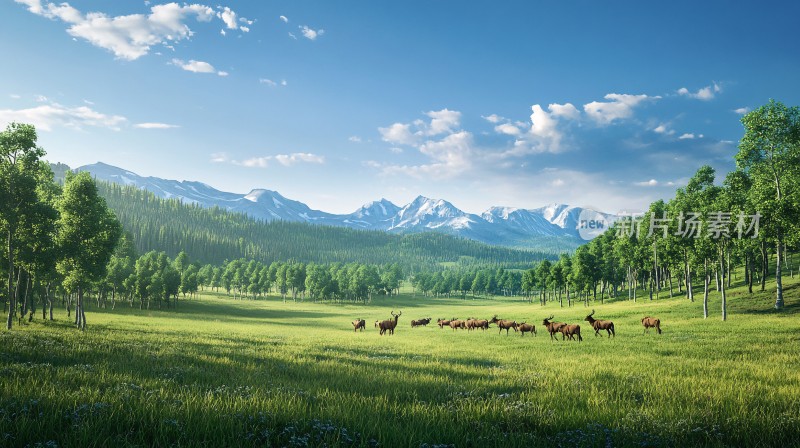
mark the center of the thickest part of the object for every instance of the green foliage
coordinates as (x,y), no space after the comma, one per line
(214,235)
(219,372)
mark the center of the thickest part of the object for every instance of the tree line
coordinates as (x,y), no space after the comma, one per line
(214,235)
(698,237)
(54,236)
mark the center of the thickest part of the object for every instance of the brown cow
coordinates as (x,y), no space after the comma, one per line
(601,325)
(651,322)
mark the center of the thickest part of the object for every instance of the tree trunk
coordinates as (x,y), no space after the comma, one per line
(764,265)
(778,281)
(11,305)
(722,283)
(705,289)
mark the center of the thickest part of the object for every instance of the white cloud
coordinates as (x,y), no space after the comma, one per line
(283,159)
(443,121)
(219,157)
(245,29)
(229,17)
(558,182)
(450,156)
(398,133)
(309,33)
(648,183)
(197,67)
(48,116)
(619,107)
(268,82)
(131,36)
(705,94)
(564,110)
(742,110)
(291,159)
(354,139)
(284,83)
(687,136)
(14,96)
(222,32)
(155,126)
(284,19)
(396,150)
(663,129)
(493,118)
(508,129)
(292,36)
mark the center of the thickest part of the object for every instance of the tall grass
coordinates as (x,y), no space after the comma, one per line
(219,372)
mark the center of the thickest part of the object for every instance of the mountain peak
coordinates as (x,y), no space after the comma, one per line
(498,225)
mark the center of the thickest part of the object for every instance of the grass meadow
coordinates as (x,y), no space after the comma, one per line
(222,372)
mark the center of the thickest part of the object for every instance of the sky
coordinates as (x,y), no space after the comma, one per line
(610,105)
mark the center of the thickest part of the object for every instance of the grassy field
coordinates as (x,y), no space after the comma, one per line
(219,372)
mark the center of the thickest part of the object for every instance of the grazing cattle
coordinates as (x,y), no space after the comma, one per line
(570,331)
(526,328)
(651,322)
(504,324)
(389,324)
(601,325)
(552,327)
(444,322)
(359,324)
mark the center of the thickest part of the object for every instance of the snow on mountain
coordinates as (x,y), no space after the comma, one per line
(499,225)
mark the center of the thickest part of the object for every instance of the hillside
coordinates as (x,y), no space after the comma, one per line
(553,227)
(212,235)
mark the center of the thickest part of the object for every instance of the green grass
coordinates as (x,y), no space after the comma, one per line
(222,372)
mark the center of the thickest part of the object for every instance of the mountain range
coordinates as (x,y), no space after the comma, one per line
(551,225)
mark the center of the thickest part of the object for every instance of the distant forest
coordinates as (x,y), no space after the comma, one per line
(214,235)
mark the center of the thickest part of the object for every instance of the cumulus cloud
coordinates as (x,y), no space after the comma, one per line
(131,36)
(48,116)
(493,118)
(690,136)
(309,33)
(705,94)
(508,129)
(619,106)
(442,121)
(742,110)
(398,133)
(197,67)
(284,19)
(449,156)
(564,110)
(354,139)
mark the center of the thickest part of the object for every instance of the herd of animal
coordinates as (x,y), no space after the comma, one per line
(571,332)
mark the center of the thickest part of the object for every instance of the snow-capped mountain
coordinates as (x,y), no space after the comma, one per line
(499,225)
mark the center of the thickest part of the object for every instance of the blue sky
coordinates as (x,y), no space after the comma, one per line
(524,103)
